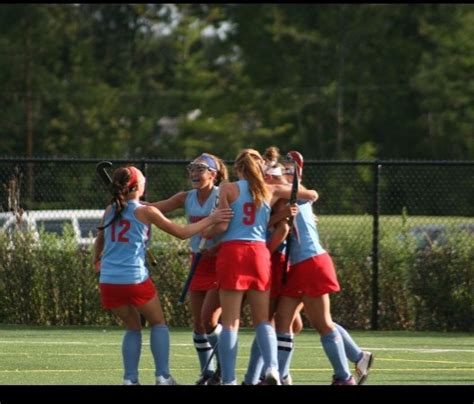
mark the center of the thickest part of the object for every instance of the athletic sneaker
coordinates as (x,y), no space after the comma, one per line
(338,382)
(287,380)
(272,377)
(232,383)
(204,379)
(362,367)
(209,379)
(163,381)
(215,380)
(261,382)
(127,382)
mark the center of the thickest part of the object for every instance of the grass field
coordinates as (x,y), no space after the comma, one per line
(92,356)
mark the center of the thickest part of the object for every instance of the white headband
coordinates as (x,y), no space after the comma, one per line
(274,171)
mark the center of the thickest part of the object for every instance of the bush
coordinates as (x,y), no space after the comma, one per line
(53,283)
(441,284)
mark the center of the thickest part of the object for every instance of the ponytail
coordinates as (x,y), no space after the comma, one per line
(250,163)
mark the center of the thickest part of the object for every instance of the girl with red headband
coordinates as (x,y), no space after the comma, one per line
(125,284)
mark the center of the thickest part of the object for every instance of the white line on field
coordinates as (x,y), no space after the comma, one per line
(298,347)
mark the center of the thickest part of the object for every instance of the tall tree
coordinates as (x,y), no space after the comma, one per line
(168,80)
(445,82)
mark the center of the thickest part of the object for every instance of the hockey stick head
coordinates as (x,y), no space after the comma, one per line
(297,158)
(295,185)
(101,169)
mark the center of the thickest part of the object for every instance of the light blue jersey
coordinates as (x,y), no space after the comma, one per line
(123,261)
(195,212)
(305,237)
(248,223)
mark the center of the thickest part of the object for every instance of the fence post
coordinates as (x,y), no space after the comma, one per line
(375,247)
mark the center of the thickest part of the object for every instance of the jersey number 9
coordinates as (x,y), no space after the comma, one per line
(249,213)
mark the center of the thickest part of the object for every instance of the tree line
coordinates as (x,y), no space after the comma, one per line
(341,81)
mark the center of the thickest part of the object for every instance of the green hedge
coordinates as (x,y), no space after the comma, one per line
(53,282)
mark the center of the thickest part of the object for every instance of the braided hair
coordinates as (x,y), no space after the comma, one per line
(124,181)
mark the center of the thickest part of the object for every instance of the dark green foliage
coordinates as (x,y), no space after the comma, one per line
(160,80)
(50,283)
(53,283)
(442,284)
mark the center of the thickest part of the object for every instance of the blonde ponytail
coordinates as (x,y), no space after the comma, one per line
(250,164)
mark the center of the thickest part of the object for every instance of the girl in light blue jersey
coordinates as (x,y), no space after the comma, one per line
(206,172)
(125,285)
(311,278)
(243,261)
(277,231)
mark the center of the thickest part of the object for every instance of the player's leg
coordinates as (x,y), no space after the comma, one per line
(318,312)
(231,301)
(363,360)
(131,343)
(210,314)
(287,308)
(159,339)
(265,333)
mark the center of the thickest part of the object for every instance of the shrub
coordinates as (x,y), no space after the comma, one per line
(53,282)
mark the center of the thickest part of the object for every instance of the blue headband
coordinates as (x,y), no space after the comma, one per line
(209,160)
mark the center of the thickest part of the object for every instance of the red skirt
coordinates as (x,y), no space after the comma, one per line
(243,265)
(205,277)
(313,277)
(135,294)
(278,260)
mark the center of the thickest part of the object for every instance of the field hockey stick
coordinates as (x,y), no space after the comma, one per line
(297,160)
(197,258)
(101,170)
(208,362)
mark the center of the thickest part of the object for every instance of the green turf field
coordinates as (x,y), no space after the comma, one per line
(91,355)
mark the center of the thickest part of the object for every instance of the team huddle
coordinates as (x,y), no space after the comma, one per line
(261,247)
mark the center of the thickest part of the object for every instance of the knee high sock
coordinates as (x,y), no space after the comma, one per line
(213,338)
(353,351)
(267,342)
(285,353)
(203,349)
(160,348)
(334,348)
(255,365)
(131,350)
(227,348)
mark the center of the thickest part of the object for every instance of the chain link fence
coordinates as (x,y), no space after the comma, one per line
(401,232)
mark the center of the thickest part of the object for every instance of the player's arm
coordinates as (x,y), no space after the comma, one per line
(284,212)
(278,235)
(98,248)
(284,191)
(149,214)
(99,243)
(227,192)
(170,204)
